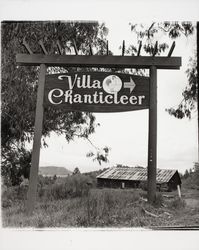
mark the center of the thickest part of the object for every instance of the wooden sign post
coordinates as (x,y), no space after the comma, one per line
(127,93)
(32,190)
(152,140)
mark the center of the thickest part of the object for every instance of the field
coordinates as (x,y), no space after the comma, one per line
(76,205)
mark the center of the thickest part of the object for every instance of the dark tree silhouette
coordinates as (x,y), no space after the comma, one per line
(19,84)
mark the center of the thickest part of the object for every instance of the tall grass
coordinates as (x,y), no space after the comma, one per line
(48,189)
(109,207)
(70,187)
(76,202)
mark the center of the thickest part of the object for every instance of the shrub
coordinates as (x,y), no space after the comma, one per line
(103,207)
(70,187)
(143,185)
(176,203)
(12,195)
(158,200)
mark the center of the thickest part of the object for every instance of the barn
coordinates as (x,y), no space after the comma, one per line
(136,177)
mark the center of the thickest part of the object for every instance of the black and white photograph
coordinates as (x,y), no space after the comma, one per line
(99,124)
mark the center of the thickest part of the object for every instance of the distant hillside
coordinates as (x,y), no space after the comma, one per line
(51,171)
(95,173)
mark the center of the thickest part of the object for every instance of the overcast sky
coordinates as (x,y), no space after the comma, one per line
(127,133)
(177,140)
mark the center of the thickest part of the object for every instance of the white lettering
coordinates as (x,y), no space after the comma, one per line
(89,81)
(77,98)
(97,84)
(81,82)
(133,99)
(87,99)
(110,97)
(124,99)
(95,95)
(115,99)
(140,97)
(68,96)
(61,77)
(52,94)
(71,84)
(58,96)
(78,82)
(84,80)
(101,97)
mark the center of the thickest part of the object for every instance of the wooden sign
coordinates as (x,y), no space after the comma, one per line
(97,91)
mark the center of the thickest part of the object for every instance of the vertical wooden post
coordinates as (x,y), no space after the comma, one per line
(197,86)
(152,141)
(179,191)
(32,189)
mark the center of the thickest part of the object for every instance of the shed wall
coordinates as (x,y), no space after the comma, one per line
(118,183)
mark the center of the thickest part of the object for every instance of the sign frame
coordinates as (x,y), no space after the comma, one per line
(148,62)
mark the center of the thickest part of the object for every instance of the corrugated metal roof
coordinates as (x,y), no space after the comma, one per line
(136,174)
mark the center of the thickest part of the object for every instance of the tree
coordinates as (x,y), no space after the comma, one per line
(19,84)
(170,30)
(189,101)
(186,174)
(196,173)
(16,164)
(76,171)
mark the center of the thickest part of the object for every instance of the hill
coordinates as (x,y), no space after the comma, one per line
(52,170)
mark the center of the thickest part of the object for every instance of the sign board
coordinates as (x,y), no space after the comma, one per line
(97,91)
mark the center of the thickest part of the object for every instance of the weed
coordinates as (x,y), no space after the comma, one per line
(92,208)
(158,200)
(176,203)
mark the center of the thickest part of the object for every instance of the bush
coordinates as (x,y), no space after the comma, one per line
(13,194)
(176,203)
(70,187)
(144,185)
(158,200)
(103,207)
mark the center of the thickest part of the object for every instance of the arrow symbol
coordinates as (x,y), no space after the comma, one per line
(130,85)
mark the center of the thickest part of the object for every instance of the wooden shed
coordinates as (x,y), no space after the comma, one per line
(136,177)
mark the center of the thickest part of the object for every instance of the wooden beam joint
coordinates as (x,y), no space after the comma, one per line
(43,47)
(171,49)
(26,45)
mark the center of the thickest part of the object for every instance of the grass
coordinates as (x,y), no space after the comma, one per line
(96,208)
(71,202)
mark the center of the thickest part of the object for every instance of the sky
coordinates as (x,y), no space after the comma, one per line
(177,140)
(127,133)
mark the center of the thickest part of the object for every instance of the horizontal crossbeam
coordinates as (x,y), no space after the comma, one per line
(105,61)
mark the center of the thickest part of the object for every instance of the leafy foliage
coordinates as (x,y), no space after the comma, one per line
(191,177)
(188,103)
(101,155)
(19,84)
(172,30)
(76,171)
(15,164)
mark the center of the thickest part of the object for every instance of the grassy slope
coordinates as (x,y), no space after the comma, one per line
(105,208)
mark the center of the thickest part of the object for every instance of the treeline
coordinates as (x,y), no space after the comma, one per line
(190,179)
